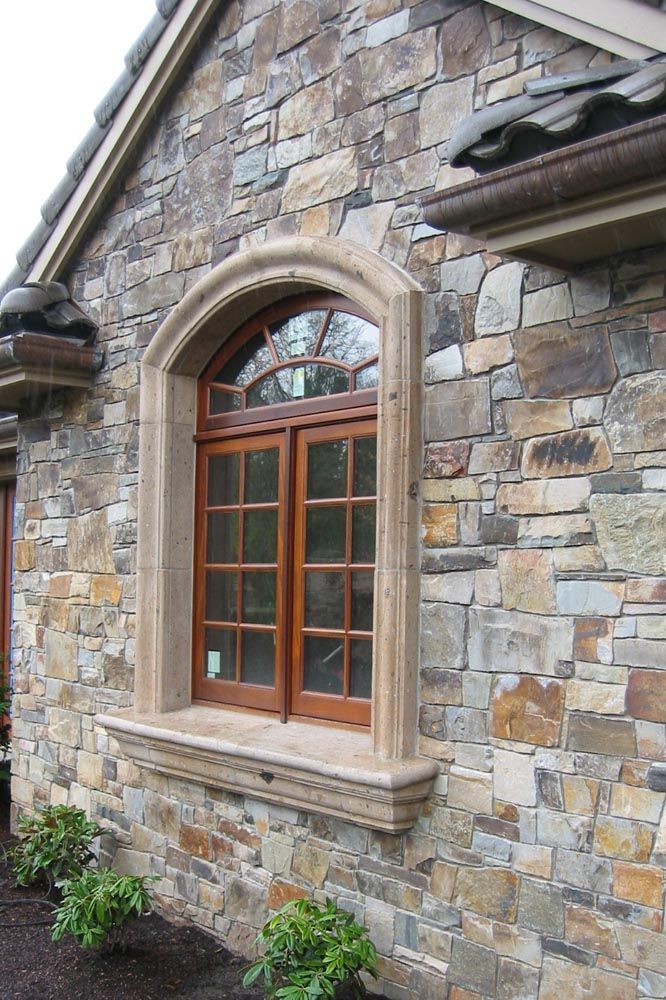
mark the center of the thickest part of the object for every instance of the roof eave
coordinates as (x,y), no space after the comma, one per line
(607,193)
(116,147)
(628,28)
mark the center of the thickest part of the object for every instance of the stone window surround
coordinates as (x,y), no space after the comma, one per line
(373,778)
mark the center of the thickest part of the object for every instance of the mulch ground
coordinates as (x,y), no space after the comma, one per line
(164,961)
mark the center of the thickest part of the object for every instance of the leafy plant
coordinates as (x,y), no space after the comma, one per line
(57,845)
(98,905)
(309,950)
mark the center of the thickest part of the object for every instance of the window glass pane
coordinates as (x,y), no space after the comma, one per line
(323,664)
(350,339)
(223,402)
(298,382)
(362,593)
(261,476)
(326,535)
(365,467)
(248,363)
(220,654)
(221,589)
(363,534)
(258,658)
(297,336)
(223,480)
(259,598)
(222,538)
(327,470)
(325,600)
(260,536)
(368,378)
(360,668)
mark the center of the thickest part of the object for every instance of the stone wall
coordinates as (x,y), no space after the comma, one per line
(536,867)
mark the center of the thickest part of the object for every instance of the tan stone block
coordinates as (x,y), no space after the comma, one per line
(89,547)
(440,525)
(532,418)
(89,769)
(316,221)
(450,489)
(487,590)
(636,803)
(641,947)
(647,590)
(470,790)
(477,929)
(527,580)
(532,859)
(307,109)
(491,892)
(578,559)
(580,794)
(105,590)
(443,880)
(527,708)
(311,864)
(639,884)
(518,943)
(324,179)
(24,556)
(589,696)
(589,734)
(489,352)
(549,496)
(579,982)
(60,655)
(162,815)
(60,584)
(588,930)
(623,839)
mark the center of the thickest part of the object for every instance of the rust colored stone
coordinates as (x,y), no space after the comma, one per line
(507,811)
(195,840)
(446,461)
(641,885)
(587,634)
(560,363)
(622,839)
(571,453)
(527,708)
(440,524)
(284,892)
(646,695)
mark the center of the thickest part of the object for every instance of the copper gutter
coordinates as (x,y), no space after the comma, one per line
(616,160)
(46,353)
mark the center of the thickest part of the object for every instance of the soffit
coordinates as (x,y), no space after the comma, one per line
(120,120)
(634,29)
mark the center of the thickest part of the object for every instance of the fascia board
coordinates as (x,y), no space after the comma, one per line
(627,28)
(129,124)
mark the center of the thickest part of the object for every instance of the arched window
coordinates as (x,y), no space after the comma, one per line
(285,513)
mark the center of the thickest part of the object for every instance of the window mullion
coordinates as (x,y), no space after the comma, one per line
(287,574)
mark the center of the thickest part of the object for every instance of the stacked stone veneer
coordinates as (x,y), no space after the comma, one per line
(536,867)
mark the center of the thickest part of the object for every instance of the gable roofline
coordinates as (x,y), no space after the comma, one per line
(121,119)
(628,28)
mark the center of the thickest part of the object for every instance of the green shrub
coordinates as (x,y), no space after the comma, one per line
(56,845)
(309,950)
(97,906)
(5,725)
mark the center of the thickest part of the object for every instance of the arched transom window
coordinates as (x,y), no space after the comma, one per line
(285,514)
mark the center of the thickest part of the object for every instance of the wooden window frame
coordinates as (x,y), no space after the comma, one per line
(287,426)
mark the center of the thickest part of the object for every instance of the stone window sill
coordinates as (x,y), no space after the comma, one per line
(303,765)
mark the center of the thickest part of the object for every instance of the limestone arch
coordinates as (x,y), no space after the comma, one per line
(213,309)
